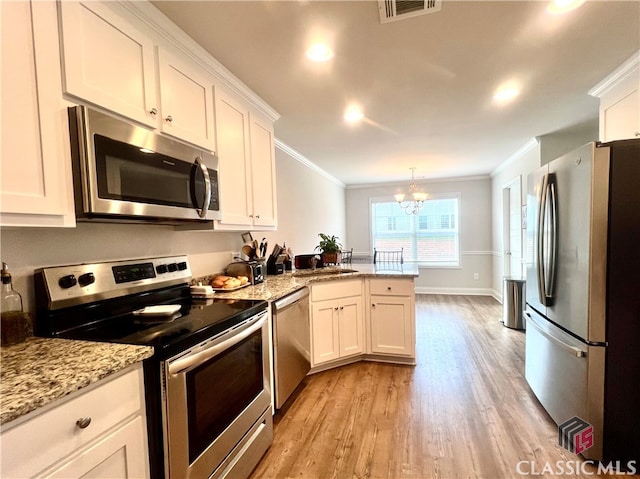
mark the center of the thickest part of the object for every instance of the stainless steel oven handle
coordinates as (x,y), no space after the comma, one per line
(572,349)
(179,366)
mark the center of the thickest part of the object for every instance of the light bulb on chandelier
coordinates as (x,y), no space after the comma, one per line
(412,207)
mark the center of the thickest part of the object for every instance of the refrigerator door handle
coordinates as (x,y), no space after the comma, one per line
(552,245)
(542,202)
(572,349)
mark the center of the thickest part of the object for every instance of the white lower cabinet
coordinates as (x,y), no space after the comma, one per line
(392,317)
(112,443)
(36,185)
(337,321)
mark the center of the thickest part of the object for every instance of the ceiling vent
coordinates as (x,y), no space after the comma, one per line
(392,10)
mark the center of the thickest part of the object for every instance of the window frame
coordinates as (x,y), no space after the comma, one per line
(432,196)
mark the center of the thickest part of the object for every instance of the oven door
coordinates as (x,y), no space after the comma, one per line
(216,393)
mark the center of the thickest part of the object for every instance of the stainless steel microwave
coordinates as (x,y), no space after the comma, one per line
(125,172)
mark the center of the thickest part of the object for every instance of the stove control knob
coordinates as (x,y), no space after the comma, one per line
(86,279)
(172,267)
(67,281)
(182,266)
(161,268)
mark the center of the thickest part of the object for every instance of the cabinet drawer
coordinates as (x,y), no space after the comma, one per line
(38,443)
(393,287)
(336,289)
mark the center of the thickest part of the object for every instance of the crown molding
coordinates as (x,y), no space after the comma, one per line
(528,146)
(629,67)
(155,20)
(450,179)
(306,162)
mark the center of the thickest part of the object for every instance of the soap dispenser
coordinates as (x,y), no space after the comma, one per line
(12,324)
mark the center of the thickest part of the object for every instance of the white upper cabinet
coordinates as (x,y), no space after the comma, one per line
(108,62)
(619,95)
(36,188)
(186,99)
(263,167)
(246,155)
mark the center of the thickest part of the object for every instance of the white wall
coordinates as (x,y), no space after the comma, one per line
(308,203)
(475,232)
(549,147)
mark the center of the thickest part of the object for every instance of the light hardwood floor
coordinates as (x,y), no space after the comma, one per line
(463,411)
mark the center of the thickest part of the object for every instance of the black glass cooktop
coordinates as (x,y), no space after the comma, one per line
(196,321)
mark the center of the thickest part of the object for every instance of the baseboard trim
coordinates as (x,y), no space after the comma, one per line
(455,291)
(497,295)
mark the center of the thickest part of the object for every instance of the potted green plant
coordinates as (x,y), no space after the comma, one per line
(330,248)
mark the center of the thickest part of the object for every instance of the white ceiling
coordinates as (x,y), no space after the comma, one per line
(426,83)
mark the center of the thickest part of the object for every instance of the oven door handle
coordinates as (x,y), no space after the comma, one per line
(179,366)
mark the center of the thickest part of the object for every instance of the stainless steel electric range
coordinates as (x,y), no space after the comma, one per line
(208,395)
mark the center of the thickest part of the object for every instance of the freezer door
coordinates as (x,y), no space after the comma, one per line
(579,189)
(566,375)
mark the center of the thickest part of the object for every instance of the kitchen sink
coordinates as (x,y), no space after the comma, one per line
(323,271)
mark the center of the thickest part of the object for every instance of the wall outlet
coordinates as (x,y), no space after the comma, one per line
(476,276)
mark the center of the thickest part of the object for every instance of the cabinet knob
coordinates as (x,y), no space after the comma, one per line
(637,133)
(388,288)
(341,307)
(83,422)
(257,217)
(373,305)
(168,119)
(153,111)
(336,308)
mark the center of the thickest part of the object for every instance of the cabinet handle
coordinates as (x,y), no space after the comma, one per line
(168,119)
(83,422)
(341,307)
(336,308)
(637,133)
(153,111)
(250,216)
(257,217)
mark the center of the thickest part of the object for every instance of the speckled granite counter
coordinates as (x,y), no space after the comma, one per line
(276,287)
(41,370)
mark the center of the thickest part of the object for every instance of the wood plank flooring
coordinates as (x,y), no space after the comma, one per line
(464,411)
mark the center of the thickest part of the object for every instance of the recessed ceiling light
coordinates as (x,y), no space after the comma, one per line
(506,93)
(319,52)
(563,6)
(353,114)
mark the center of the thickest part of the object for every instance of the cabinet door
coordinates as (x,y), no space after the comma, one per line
(121,454)
(263,171)
(232,131)
(36,188)
(392,329)
(186,99)
(324,330)
(107,61)
(351,326)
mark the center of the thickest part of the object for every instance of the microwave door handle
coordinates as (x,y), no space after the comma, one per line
(542,199)
(202,213)
(183,364)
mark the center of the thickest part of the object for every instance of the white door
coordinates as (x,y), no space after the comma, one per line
(513,229)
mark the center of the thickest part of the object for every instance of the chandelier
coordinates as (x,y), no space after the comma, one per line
(418,198)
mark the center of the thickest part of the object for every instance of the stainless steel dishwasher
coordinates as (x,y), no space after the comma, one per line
(291,343)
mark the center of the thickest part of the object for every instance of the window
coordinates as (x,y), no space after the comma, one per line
(430,238)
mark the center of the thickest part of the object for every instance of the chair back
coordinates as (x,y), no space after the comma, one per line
(388,256)
(347,255)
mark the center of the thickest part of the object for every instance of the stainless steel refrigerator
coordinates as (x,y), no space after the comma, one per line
(583,293)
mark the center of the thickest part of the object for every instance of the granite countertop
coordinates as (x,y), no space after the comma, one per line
(40,370)
(278,286)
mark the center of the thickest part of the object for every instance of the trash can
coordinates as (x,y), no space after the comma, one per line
(513,303)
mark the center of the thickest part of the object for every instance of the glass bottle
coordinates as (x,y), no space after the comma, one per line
(12,327)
